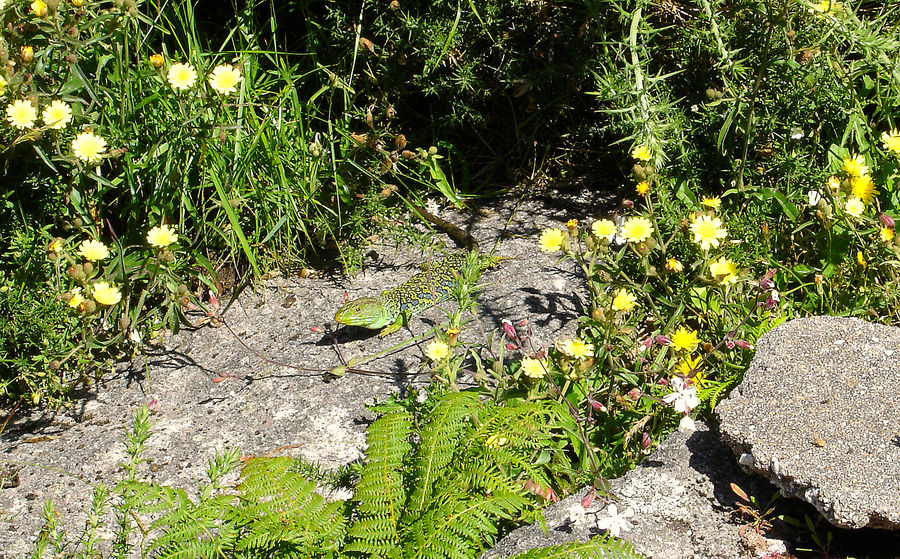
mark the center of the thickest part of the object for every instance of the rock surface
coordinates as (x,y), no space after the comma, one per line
(817,414)
(209,391)
(682,505)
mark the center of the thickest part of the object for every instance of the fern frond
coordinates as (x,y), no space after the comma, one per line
(440,438)
(600,547)
(380,494)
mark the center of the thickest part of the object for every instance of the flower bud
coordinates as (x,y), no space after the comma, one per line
(124,322)
(452,336)
(88,307)
(634,394)
(157,60)
(597,406)
(27,54)
(55,365)
(88,268)
(886,220)
(646,441)
(766,282)
(509,330)
(743,344)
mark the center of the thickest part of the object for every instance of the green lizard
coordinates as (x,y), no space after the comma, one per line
(391,310)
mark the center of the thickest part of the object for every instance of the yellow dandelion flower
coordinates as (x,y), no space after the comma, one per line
(863,188)
(93,250)
(642,153)
(708,231)
(830,7)
(224,78)
(685,340)
(162,236)
(637,229)
(642,188)
(89,147)
(576,348)
(3,85)
(834,184)
(854,206)
(437,350)
(891,140)
(21,114)
(687,365)
(886,234)
(39,8)
(604,229)
(855,166)
(76,299)
(724,270)
(533,368)
(106,294)
(552,240)
(157,61)
(712,202)
(55,245)
(674,265)
(57,115)
(860,259)
(181,76)
(623,301)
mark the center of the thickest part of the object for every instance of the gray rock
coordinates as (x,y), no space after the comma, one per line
(817,414)
(681,500)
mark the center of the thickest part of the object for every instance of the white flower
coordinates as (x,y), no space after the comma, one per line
(687,425)
(616,523)
(814,197)
(684,398)
(577,514)
(619,239)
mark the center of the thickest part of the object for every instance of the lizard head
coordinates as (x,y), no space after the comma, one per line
(368,312)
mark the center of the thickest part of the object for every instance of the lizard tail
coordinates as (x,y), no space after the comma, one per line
(461,237)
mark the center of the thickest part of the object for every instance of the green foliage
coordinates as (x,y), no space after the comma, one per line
(600,547)
(438,479)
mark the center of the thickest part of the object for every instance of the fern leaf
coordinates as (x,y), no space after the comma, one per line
(440,438)
(380,491)
(600,547)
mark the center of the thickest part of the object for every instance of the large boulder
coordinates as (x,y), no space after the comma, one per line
(818,415)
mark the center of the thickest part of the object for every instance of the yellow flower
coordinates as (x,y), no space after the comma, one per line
(76,299)
(89,147)
(724,270)
(576,348)
(860,259)
(55,245)
(604,229)
(887,234)
(674,265)
(182,76)
(863,188)
(685,340)
(224,78)
(708,231)
(552,240)
(688,364)
(3,84)
(834,184)
(106,294)
(78,3)
(637,229)
(891,140)
(533,368)
(157,61)
(437,350)
(642,188)
(854,206)
(27,53)
(623,301)
(830,7)
(496,440)
(855,166)
(57,115)
(39,8)
(162,236)
(642,153)
(712,202)
(21,114)
(93,250)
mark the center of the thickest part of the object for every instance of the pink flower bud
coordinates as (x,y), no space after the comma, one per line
(588,499)
(663,340)
(627,204)
(646,441)
(663,382)
(729,344)
(634,394)
(743,344)
(509,330)
(766,282)
(886,220)
(596,405)
(773,300)
(647,343)
(511,347)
